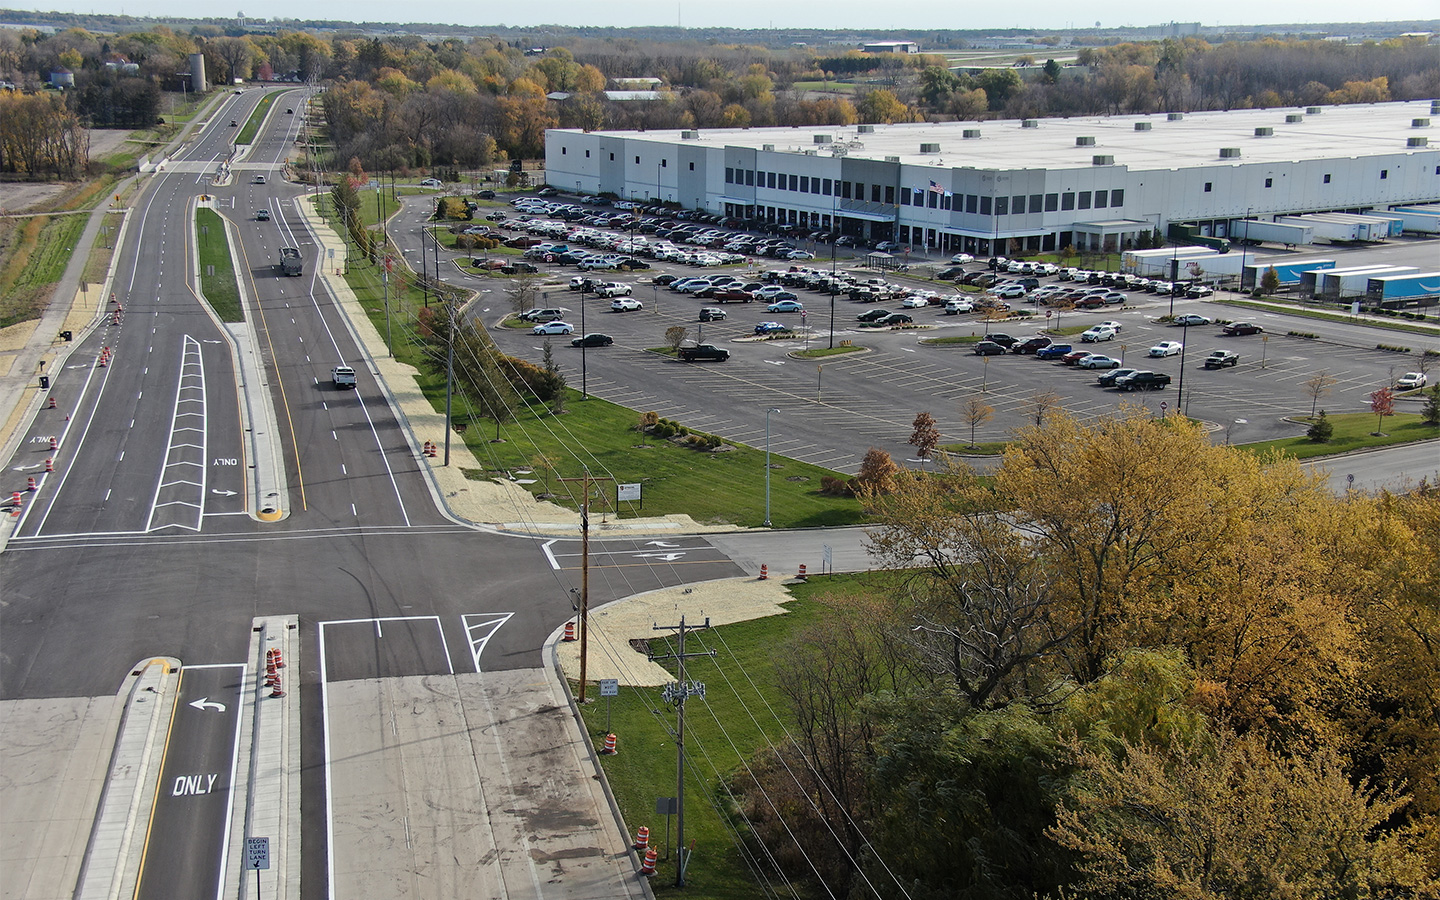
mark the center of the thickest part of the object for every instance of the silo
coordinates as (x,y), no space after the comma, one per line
(197,73)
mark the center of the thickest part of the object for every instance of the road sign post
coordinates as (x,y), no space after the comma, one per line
(609,687)
(257,857)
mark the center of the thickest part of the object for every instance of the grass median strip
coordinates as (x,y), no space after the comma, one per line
(217,270)
(252,124)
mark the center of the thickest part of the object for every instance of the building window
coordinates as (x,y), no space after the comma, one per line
(827,187)
(984,206)
(1017,205)
(1067,200)
(1327,177)
(794,184)
(1052,202)
(1002,206)
(890,194)
(946,201)
(749,178)
(1384,174)
(563,150)
(1269,182)
(1084,199)
(1117,198)
(859,190)
(1102,199)
(612,157)
(760,178)
(1208,186)
(904,196)
(587,154)
(1035,201)
(692,167)
(874,193)
(637,160)
(804,184)
(664,163)
(845,190)
(971,203)
(729,175)
(934,200)
(770,179)
(814,185)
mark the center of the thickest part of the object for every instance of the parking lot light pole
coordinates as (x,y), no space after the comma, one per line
(584,372)
(1180,388)
(772,409)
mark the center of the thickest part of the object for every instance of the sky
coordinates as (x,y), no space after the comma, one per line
(859,15)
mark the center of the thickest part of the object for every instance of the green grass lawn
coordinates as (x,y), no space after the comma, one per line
(1352,432)
(39,249)
(832,87)
(252,124)
(954,339)
(822,352)
(720,734)
(218,286)
(1411,327)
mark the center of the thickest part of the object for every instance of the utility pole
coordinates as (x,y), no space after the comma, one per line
(676,692)
(585,480)
(449,370)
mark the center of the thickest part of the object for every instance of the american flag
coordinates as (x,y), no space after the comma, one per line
(935,186)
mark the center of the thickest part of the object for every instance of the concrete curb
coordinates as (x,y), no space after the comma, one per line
(270,735)
(113,855)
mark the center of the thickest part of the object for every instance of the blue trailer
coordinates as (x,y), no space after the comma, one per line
(1422,289)
(1288,270)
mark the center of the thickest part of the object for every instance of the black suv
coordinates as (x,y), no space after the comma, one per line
(1030,345)
(1003,340)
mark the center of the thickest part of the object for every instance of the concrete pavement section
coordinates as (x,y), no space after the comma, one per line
(472,785)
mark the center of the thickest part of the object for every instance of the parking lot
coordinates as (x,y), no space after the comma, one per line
(832,409)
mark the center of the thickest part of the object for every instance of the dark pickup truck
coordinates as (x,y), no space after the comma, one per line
(701,352)
(1143,381)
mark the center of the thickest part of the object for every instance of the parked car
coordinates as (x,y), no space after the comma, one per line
(1053,351)
(431,183)
(615,289)
(771,328)
(894,319)
(1074,357)
(989,348)
(1031,345)
(1143,381)
(1109,378)
(957,305)
(1197,291)
(1242,328)
(1190,320)
(1097,333)
(1166,348)
(961,259)
(556,327)
(1219,359)
(1411,381)
(701,352)
(663,280)
(625,304)
(542,314)
(1112,324)
(593,339)
(872,315)
(782,306)
(732,295)
(1098,361)
(711,314)
(1004,340)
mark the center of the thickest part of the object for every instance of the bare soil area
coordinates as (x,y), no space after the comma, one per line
(21,196)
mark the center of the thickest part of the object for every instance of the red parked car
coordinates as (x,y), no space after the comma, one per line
(1074,356)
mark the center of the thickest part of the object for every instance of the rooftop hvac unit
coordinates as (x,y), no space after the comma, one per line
(929,148)
(864,129)
(811,152)
(822,139)
(1084,142)
(1174,117)
(1312,110)
(1029,123)
(1292,118)
(1229,152)
(1142,126)
(1417,142)
(1419,123)
(970,133)
(768,147)
(689,135)
(1102,160)
(892,159)
(1264,131)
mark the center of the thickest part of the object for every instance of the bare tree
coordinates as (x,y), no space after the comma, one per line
(1042,403)
(1317,386)
(525,293)
(675,336)
(976,412)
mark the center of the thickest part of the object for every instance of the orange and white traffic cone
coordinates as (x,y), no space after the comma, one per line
(764,572)
(30,483)
(610,742)
(801,573)
(279,659)
(642,838)
(569,632)
(54,444)
(648,866)
(51,404)
(49,465)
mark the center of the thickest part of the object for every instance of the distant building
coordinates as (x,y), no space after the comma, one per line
(62,78)
(891,47)
(636,84)
(1182,29)
(629,96)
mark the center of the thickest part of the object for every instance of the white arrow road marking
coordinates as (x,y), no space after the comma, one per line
(663,557)
(774,362)
(205,703)
(660,544)
(208,341)
(222,493)
(23,468)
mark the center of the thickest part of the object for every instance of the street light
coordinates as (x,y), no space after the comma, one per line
(772,409)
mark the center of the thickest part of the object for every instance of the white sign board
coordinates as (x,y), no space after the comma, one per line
(609,687)
(257,853)
(629,492)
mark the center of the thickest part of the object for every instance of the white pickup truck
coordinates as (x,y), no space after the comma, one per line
(343,377)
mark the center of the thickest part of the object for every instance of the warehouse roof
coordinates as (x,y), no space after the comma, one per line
(1193,140)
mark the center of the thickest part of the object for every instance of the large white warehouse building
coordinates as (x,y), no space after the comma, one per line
(1026,185)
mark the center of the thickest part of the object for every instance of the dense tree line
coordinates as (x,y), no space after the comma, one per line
(40,137)
(1136,664)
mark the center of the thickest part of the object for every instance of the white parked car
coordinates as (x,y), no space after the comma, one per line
(431,183)
(1110,323)
(915,302)
(1098,361)
(613,289)
(961,259)
(1410,381)
(625,304)
(959,305)
(1098,333)
(553,328)
(1191,319)
(1166,348)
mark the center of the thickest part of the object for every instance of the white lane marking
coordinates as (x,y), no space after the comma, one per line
(550,555)
(491,623)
